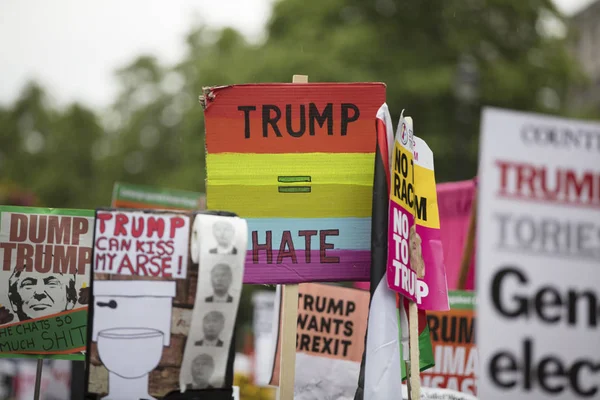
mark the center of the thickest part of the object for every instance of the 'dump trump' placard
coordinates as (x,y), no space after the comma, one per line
(44,281)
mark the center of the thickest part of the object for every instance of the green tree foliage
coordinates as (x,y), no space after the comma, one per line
(153,133)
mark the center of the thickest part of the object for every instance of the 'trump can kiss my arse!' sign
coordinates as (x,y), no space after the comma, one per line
(415,257)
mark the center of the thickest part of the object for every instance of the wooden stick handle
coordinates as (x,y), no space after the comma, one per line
(413,343)
(289,316)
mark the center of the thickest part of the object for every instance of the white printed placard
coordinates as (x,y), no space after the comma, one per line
(538,257)
(141,243)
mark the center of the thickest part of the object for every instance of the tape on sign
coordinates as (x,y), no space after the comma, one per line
(218,244)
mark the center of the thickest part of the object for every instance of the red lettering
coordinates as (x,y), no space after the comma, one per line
(125,244)
(307,245)
(25,257)
(113,244)
(549,193)
(286,242)
(59,230)
(503,175)
(102,218)
(267,247)
(328,246)
(176,223)
(7,250)
(43,259)
(37,231)
(156,224)
(18,228)
(120,221)
(98,240)
(166,267)
(136,232)
(84,257)
(551,184)
(525,176)
(126,264)
(139,246)
(586,183)
(65,259)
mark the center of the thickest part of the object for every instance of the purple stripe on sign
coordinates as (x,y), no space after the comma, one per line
(349,265)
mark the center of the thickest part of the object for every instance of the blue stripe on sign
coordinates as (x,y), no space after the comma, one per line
(355,233)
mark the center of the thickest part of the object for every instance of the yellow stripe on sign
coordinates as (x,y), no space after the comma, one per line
(403,190)
(402,180)
(299,169)
(427,198)
(267,201)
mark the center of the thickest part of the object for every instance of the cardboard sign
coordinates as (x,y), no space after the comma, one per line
(453,337)
(142,293)
(126,195)
(142,244)
(415,267)
(332,322)
(44,281)
(287,150)
(538,257)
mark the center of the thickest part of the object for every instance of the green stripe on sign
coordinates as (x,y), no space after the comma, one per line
(156,196)
(293,179)
(294,189)
(462,300)
(56,334)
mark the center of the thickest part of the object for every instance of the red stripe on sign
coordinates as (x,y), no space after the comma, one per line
(293,118)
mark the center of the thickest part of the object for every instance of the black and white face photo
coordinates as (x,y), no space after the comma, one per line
(221,277)
(203,366)
(224,234)
(212,327)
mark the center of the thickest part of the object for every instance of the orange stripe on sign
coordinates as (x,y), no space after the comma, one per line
(288,118)
(136,205)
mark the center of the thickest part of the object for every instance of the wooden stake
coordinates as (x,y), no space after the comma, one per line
(289,317)
(413,346)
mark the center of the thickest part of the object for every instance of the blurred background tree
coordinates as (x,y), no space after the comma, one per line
(441,60)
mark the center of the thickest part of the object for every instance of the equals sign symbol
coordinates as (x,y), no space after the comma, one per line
(292,184)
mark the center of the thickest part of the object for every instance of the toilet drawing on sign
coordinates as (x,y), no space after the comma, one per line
(131,326)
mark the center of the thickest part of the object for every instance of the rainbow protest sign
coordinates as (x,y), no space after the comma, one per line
(296,160)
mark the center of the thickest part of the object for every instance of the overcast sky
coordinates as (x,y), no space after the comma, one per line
(72,46)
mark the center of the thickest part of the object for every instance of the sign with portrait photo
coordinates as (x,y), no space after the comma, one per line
(216,244)
(44,281)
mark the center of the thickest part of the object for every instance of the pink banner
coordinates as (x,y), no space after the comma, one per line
(455,200)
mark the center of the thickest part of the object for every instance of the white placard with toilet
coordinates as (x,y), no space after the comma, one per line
(131,324)
(218,244)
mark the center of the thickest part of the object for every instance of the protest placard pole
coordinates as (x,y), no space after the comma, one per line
(38,379)
(413,346)
(289,317)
